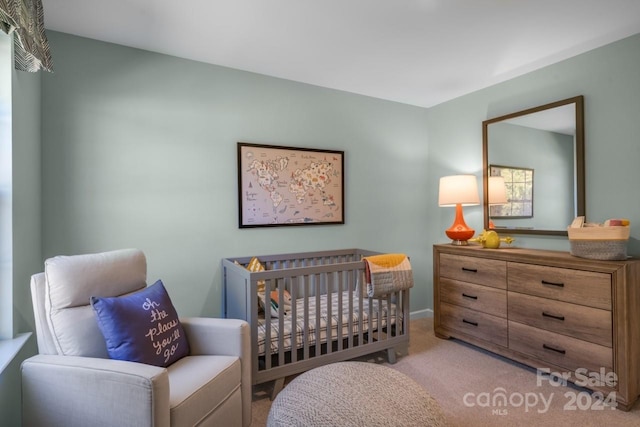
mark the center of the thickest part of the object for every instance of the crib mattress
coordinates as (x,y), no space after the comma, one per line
(359,321)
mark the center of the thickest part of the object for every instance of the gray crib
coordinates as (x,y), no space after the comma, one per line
(330,319)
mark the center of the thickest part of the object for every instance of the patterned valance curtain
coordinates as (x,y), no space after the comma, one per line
(25,18)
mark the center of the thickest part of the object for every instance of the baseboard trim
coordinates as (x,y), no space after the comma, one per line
(420,314)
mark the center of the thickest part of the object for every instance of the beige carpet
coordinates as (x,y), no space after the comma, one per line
(461,377)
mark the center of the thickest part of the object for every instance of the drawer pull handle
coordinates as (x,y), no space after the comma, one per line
(557,350)
(470,322)
(553,316)
(470,270)
(469,296)
(545,282)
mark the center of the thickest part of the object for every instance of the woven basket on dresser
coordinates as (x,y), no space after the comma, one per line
(603,243)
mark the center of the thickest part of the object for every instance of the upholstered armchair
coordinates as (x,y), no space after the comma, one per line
(74,381)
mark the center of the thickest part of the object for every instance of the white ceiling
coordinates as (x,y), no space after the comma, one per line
(419,52)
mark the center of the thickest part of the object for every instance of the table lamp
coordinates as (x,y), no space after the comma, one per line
(497,194)
(497,191)
(459,191)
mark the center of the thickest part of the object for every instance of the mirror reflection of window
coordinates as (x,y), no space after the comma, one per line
(550,140)
(519,187)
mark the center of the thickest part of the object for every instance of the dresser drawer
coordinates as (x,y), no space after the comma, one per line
(561,350)
(481,325)
(482,271)
(564,284)
(477,297)
(585,323)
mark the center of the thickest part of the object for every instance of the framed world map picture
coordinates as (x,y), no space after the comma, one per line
(287,186)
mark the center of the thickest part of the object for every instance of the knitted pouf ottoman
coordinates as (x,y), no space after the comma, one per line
(350,394)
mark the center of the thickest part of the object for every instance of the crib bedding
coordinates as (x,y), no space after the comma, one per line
(340,316)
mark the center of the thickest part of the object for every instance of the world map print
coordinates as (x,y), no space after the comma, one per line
(289,186)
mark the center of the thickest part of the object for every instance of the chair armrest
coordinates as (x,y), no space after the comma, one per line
(213,336)
(227,337)
(82,391)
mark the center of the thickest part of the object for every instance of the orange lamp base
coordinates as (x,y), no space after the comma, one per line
(459,232)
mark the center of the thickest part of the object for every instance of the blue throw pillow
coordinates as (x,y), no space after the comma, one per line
(142,327)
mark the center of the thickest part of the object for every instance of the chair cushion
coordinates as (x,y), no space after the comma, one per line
(199,385)
(72,280)
(142,327)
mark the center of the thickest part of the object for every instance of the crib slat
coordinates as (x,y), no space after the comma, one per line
(281,311)
(306,318)
(361,295)
(370,320)
(379,325)
(340,309)
(267,318)
(329,298)
(353,322)
(294,316)
(389,322)
(318,330)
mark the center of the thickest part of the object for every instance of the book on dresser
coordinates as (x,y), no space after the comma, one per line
(568,316)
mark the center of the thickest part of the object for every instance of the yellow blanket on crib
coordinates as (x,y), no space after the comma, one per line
(387,273)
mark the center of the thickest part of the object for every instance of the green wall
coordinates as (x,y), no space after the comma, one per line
(608,79)
(139,150)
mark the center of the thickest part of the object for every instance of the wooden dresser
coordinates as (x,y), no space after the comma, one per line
(547,309)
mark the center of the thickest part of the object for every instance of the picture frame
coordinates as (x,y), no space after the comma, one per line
(281,186)
(519,185)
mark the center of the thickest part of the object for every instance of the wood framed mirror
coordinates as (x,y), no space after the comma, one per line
(549,141)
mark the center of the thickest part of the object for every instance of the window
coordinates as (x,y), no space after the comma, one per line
(519,186)
(6,233)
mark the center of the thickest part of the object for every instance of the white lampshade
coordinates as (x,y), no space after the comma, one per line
(497,191)
(462,189)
